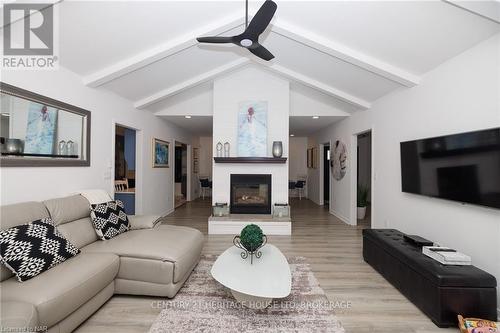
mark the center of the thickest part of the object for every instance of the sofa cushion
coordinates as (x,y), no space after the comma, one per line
(18,317)
(178,245)
(109,219)
(67,209)
(32,248)
(16,214)
(61,290)
(143,221)
(71,215)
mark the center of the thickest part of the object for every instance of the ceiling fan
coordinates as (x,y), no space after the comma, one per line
(249,39)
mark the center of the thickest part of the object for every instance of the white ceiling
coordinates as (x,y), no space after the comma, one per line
(339,55)
(306,125)
(197,125)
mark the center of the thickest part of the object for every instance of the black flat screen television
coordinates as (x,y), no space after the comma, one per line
(462,167)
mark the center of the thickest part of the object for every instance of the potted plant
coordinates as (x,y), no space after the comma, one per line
(251,240)
(362,200)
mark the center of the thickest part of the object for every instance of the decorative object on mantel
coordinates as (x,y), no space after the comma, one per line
(251,240)
(252,128)
(277,148)
(227,149)
(281,210)
(220,209)
(160,153)
(218,147)
(275,160)
(338,161)
(14,146)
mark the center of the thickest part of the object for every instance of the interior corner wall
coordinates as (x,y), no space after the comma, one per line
(297,162)
(461,95)
(250,84)
(154,191)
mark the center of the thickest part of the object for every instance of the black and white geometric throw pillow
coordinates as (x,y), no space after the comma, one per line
(109,219)
(32,248)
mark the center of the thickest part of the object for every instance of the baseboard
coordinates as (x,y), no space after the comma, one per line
(339,216)
(168,212)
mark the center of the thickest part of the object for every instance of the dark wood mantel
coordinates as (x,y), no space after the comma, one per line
(275,160)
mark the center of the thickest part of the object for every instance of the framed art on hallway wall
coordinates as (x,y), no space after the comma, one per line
(160,153)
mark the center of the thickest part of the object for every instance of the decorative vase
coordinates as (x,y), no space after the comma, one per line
(226,149)
(14,146)
(70,147)
(62,148)
(219,149)
(277,149)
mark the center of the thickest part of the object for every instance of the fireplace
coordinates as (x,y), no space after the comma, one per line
(250,194)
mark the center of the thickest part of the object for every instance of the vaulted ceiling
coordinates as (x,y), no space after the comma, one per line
(345,54)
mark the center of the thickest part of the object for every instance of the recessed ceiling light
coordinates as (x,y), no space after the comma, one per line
(315,117)
(187,117)
(292,134)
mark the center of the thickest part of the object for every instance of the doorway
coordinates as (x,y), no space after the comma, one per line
(180,174)
(125,167)
(364,178)
(326,174)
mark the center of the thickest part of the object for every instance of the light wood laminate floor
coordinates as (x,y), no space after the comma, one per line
(334,251)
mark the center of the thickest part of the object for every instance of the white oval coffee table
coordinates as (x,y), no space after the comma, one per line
(254,285)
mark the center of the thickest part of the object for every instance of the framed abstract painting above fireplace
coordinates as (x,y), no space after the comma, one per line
(252,129)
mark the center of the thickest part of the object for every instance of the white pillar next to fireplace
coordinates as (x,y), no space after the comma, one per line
(250,84)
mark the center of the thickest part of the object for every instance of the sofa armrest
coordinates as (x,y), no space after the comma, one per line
(143,221)
(18,316)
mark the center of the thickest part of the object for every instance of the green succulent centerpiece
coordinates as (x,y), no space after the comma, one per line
(250,240)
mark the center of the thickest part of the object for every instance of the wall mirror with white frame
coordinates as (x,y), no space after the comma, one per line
(40,131)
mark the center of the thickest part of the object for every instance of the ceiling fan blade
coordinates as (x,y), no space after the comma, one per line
(215,39)
(261,19)
(261,52)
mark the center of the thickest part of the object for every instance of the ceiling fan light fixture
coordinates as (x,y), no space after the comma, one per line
(246,42)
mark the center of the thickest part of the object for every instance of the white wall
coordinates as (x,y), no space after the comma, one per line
(297,163)
(461,95)
(250,84)
(154,185)
(206,160)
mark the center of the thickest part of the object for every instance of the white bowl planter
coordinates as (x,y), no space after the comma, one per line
(361,213)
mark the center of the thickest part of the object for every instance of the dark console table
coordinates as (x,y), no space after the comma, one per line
(440,291)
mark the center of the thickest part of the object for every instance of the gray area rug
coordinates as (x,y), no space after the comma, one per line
(204,305)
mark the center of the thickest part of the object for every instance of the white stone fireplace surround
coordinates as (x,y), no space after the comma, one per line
(250,84)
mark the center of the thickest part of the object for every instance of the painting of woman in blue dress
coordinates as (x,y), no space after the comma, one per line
(41,129)
(252,129)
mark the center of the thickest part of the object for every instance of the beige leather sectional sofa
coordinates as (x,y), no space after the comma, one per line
(151,259)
